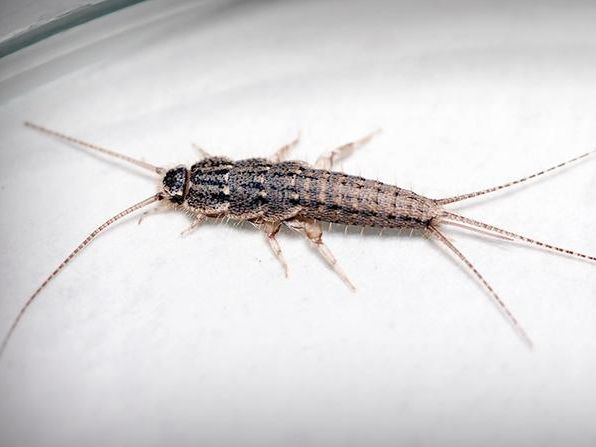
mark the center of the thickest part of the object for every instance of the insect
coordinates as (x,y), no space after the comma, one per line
(271,192)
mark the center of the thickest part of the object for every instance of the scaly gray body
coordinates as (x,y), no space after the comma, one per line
(258,189)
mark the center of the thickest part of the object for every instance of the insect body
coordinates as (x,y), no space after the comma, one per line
(259,189)
(271,192)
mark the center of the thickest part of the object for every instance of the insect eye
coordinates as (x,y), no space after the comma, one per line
(174,182)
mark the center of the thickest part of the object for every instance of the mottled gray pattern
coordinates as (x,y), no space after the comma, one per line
(261,190)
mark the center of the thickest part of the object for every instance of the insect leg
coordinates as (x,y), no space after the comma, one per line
(499,302)
(282,153)
(154,210)
(202,151)
(271,229)
(326,160)
(312,230)
(198,220)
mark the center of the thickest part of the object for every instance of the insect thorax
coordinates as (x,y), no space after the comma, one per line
(208,186)
(243,189)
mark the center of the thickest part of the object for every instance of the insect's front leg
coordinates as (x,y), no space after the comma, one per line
(198,220)
(282,153)
(202,151)
(154,210)
(326,160)
(313,231)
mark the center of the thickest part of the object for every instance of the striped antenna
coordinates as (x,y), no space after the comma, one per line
(69,258)
(103,150)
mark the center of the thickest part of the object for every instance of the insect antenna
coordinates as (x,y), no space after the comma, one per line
(509,184)
(140,163)
(499,302)
(69,258)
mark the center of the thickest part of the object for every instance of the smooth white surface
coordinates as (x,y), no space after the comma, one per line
(149,339)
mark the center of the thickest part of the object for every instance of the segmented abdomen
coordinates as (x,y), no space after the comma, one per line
(259,189)
(348,199)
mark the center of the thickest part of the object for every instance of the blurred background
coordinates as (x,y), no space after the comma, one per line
(151,339)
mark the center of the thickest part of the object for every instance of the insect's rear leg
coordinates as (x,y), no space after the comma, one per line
(282,153)
(313,231)
(326,160)
(198,220)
